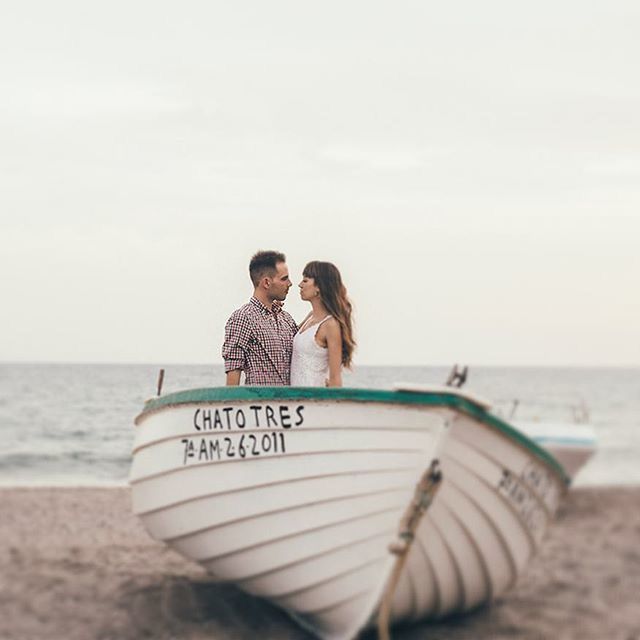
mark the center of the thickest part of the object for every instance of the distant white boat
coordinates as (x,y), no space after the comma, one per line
(296,494)
(571,444)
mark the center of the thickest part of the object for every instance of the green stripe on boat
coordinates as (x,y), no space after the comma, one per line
(409,398)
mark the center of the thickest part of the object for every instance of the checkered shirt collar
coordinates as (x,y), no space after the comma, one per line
(275,308)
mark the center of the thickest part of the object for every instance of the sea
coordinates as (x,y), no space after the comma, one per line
(72,424)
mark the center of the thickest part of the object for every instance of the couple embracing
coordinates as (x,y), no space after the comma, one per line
(264,341)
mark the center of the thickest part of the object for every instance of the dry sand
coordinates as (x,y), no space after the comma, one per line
(76,565)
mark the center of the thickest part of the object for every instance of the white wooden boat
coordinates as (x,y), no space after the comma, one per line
(295,495)
(571,444)
(292,494)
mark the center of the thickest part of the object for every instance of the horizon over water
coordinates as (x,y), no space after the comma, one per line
(438,366)
(71,424)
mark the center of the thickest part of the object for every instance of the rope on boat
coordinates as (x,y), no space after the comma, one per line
(423,497)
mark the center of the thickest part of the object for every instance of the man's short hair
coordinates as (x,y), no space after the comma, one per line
(264,264)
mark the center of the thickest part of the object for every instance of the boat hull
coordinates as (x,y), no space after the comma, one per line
(497,499)
(296,494)
(294,500)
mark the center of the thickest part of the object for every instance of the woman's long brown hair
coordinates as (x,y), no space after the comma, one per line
(334,297)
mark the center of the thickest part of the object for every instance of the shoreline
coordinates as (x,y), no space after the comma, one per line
(75,564)
(36,484)
(124,484)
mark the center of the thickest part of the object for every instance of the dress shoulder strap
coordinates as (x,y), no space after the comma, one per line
(321,321)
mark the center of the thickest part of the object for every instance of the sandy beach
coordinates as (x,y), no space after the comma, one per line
(76,565)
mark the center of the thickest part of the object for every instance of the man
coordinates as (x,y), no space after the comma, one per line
(258,337)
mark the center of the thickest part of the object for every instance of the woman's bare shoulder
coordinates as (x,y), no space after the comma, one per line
(331,326)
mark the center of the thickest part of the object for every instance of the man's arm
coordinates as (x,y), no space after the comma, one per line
(236,338)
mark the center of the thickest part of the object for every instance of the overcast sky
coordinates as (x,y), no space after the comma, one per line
(472,168)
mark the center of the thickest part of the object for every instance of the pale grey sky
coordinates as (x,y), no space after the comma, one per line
(472,168)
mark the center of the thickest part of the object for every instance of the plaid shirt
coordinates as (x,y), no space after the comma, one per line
(259,341)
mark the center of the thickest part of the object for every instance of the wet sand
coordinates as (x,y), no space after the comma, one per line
(76,565)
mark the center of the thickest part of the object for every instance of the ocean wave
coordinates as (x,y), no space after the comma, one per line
(67,460)
(10,460)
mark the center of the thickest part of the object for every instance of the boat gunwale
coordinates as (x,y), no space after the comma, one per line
(451,400)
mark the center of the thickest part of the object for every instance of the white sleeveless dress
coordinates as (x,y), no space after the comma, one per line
(309,361)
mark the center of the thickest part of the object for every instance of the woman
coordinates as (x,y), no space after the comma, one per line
(324,342)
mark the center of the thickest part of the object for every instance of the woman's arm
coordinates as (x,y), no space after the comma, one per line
(333,336)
